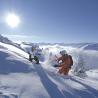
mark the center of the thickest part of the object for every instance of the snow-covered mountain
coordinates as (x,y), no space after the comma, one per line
(20,78)
(8,41)
(90,46)
(5,40)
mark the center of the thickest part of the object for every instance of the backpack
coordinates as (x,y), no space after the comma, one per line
(69,58)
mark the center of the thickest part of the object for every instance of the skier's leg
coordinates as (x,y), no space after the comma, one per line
(66,71)
(36,59)
(61,70)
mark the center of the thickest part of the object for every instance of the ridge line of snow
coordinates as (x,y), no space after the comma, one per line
(15,50)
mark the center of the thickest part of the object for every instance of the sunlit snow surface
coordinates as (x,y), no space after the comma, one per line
(20,78)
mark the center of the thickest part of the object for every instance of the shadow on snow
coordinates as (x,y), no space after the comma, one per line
(9,66)
(50,87)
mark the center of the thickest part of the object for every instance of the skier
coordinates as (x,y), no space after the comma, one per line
(65,62)
(33,56)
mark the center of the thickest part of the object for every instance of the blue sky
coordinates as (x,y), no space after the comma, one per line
(68,21)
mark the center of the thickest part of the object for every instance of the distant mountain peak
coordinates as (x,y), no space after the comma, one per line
(5,40)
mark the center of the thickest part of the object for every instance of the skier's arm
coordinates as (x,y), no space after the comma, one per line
(63,65)
(60,58)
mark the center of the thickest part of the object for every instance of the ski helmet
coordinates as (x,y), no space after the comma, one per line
(63,52)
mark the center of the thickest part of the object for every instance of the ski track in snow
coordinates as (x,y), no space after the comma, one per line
(20,78)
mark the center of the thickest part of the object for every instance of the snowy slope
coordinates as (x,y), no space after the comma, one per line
(17,77)
(9,42)
(14,49)
(20,78)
